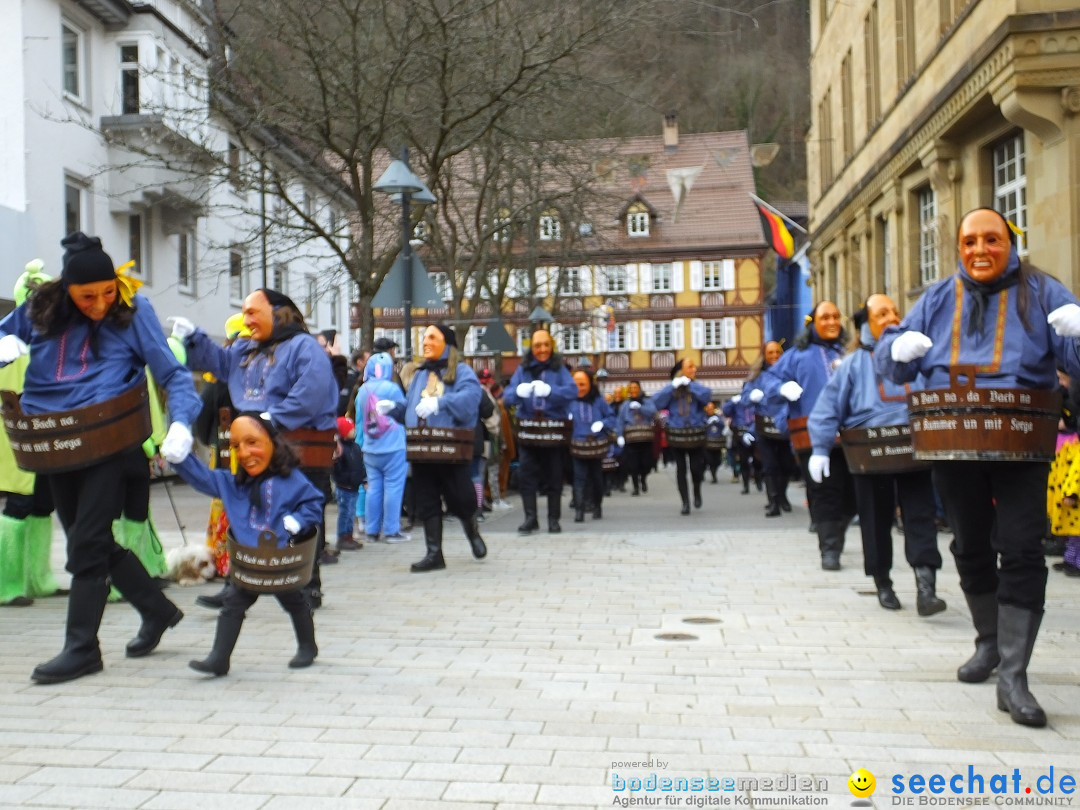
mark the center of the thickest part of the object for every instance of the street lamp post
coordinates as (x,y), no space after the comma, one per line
(399,179)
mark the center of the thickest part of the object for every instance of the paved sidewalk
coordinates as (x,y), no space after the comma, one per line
(536,679)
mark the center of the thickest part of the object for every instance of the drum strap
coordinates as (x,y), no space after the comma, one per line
(999,329)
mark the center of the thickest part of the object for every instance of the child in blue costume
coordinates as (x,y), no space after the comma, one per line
(267,493)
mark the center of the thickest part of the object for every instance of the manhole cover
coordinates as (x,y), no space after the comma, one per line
(676,637)
(701,620)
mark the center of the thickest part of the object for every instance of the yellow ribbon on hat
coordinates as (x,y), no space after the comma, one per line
(126,284)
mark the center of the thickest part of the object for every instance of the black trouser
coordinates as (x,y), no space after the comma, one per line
(434,483)
(588,475)
(637,460)
(540,469)
(877,497)
(87,501)
(237,601)
(713,460)
(136,486)
(38,503)
(776,458)
(320,479)
(693,457)
(834,498)
(997,509)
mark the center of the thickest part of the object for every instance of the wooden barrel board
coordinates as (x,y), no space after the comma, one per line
(686,438)
(765,428)
(638,434)
(269,569)
(543,432)
(799,434)
(427,444)
(591,448)
(314,447)
(880,450)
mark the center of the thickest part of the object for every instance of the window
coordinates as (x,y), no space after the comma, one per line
(928,235)
(848,119)
(72,60)
(872,75)
(905,39)
(570,281)
(662,335)
(825,144)
(129,79)
(279,278)
(615,279)
(502,226)
(442,286)
(310,301)
(571,339)
(550,228)
(1010,184)
(717,276)
(618,339)
(395,335)
(661,278)
(185,260)
(73,205)
(135,244)
(335,305)
(718,333)
(233,158)
(236,277)
(637,220)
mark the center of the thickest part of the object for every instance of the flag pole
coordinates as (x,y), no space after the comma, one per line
(780,214)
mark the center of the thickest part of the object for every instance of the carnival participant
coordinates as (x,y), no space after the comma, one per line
(541,388)
(443,393)
(715,438)
(857,397)
(280,370)
(383,444)
(1015,324)
(790,390)
(90,337)
(634,424)
(266,494)
(593,420)
(685,401)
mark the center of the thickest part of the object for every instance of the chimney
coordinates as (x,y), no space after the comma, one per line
(671,132)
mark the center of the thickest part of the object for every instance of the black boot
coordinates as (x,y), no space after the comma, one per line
(831,543)
(780,482)
(644,484)
(306,651)
(472,532)
(598,512)
(886,596)
(637,490)
(1017,630)
(927,602)
(984,615)
(531,524)
(157,612)
(228,631)
(579,506)
(773,507)
(554,509)
(746,483)
(433,538)
(81,654)
(214,601)
(697,494)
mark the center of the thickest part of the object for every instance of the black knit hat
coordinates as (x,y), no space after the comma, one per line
(675,369)
(263,418)
(84,260)
(278,299)
(447,333)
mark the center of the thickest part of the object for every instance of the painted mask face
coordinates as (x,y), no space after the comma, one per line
(984,246)
(827,321)
(258,316)
(773,350)
(94,300)
(633,391)
(541,345)
(252,445)
(881,313)
(581,380)
(434,344)
(689,368)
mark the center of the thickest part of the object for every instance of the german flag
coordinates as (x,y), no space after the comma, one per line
(776,233)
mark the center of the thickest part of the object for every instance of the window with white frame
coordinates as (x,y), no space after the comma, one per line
(718,275)
(662,278)
(550,228)
(236,277)
(928,235)
(662,335)
(1010,185)
(571,339)
(279,278)
(311,301)
(501,225)
(129,79)
(335,305)
(570,281)
(74,192)
(233,159)
(716,333)
(442,285)
(637,221)
(137,250)
(617,339)
(615,279)
(72,60)
(185,262)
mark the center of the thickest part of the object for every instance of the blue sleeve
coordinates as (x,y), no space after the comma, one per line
(701,394)
(1066,349)
(884,364)
(563,389)
(662,398)
(202,479)
(314,391)
(184,404)
(510,397)
(607,416)
(828,413)
(462,400)
(648,408)
(205,355)
(308,506)
(17,322)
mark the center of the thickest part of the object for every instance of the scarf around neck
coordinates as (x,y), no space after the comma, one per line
(980,293)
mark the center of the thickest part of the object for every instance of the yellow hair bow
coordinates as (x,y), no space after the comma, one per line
(127,285)
(1014,228)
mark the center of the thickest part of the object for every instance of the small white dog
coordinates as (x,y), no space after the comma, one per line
(190,565)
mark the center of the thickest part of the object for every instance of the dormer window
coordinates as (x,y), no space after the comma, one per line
(637,220)
(550,227)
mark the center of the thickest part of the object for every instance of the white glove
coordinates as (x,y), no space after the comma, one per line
(737,399)
(620,441)
(791,391)
(748,439)
(524,390)
(541,388)
(428,406)
(635,405)
(911,346)
(597,426)
(818,468)
(181,327)
(1065,320)
(757,395)
(11,347)
(384,406)
(177,444)
(291,524)
(680,381)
